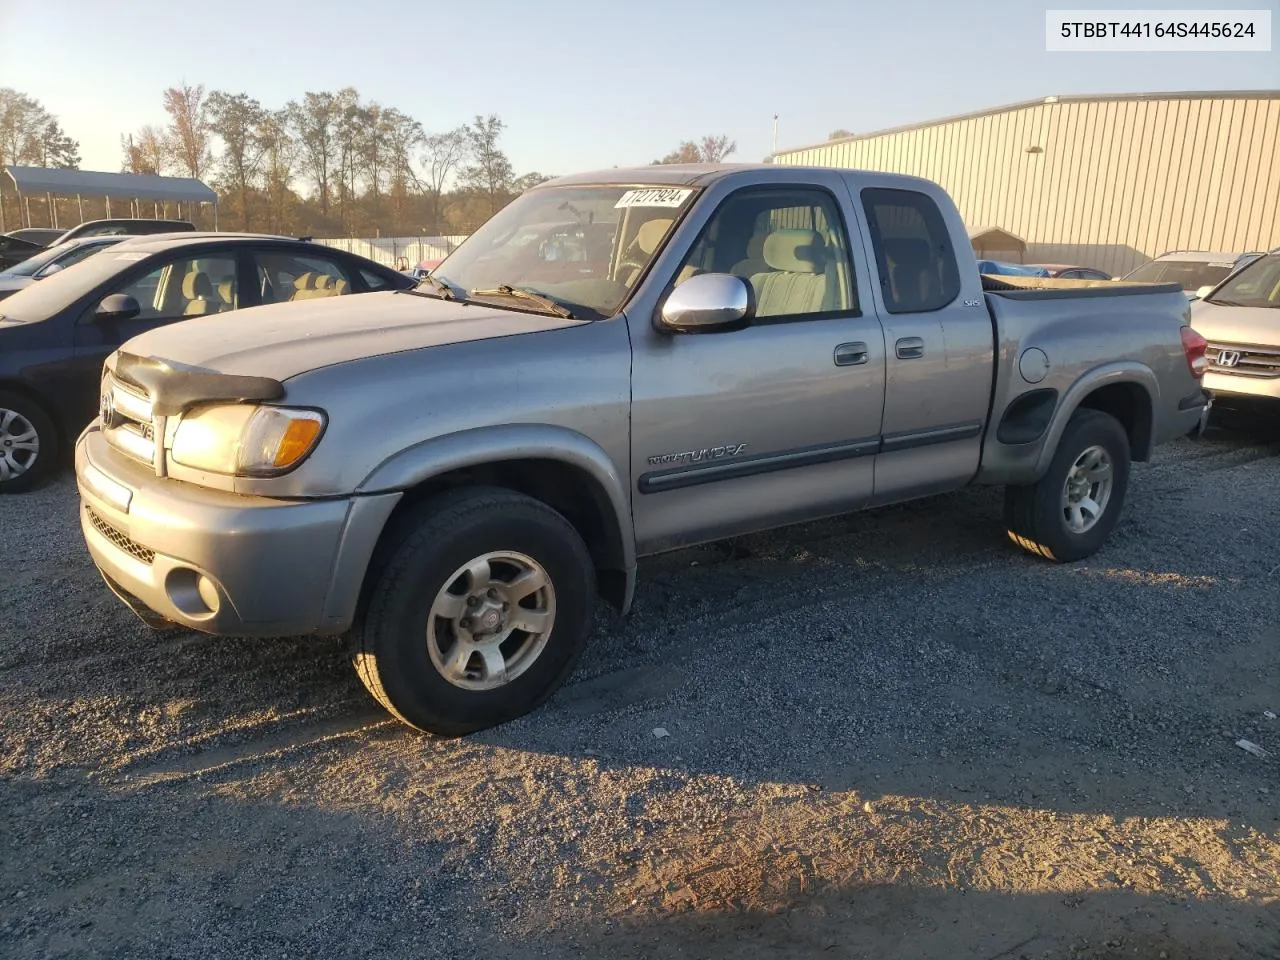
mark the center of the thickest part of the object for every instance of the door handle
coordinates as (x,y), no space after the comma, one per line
(910,348)
(851,354)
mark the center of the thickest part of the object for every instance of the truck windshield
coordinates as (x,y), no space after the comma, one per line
(1257,285)
(583,247)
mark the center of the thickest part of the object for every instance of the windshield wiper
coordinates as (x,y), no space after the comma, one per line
(1224,303)
(506,290)
(446,291)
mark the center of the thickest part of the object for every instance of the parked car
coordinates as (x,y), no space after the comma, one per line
(1196,271)
(1241,320)
(125,226)
(50,261)
(55,334)
(1000,268)
(747,354)
(40,236)
(13,250)
(1066,271)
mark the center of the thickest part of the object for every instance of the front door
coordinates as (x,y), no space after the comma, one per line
(747,429)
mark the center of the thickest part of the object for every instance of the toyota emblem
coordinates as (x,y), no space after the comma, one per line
(107,409)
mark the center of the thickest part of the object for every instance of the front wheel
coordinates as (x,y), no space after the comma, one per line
(477,614)
(1069,514)
(28,443)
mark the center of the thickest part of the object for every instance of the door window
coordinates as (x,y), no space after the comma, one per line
(790,245)
(187,287)
(917,266)
(284,276)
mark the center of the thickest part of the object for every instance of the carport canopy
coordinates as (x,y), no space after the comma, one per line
(119,186)
(997,239)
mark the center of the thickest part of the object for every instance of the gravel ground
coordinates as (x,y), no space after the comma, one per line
(890,735)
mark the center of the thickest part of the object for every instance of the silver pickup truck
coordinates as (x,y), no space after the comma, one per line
(616,364)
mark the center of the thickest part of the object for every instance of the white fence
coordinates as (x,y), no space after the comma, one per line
(388,250)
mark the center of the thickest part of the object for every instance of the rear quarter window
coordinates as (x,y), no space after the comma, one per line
(914,256)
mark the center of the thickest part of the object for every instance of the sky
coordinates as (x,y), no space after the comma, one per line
(581,84)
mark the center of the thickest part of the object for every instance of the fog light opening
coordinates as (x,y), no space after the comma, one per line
(192,592)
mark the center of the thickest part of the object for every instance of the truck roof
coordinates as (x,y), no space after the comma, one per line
(704,174)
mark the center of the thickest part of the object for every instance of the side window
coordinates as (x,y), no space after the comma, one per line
(374,281)
(790,245)
(917,266)
(284,276)
(186,287)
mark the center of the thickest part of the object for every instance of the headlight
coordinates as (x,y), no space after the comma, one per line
(246,440)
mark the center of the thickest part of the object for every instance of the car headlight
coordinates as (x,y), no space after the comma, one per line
(246,440)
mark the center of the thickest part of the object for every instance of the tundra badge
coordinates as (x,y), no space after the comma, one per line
(696,456)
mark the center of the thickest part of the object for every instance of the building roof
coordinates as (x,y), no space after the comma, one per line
(127,186)
(1024,104)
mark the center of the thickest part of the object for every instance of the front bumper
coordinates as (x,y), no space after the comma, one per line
(219,562)
(1226,385)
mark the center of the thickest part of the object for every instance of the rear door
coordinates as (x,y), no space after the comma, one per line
(939,342)
(745,429)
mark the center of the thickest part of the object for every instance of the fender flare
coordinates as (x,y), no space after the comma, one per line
(1106,375)
(519,441)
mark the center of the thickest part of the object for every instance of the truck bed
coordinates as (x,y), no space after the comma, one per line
(1052,288)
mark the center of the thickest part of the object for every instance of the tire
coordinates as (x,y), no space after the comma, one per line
(1040,516)
(28,444)
(411,653)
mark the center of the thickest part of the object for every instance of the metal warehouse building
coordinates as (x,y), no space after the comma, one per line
(1100,181)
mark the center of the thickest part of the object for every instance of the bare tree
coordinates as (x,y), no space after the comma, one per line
(278,166)
(489,173)
(687,152)
(441,156)
(237,119)
(188,133)
(715,149)
(313,125)
(144,151)
(709,150)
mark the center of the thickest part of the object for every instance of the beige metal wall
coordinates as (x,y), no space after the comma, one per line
(1118,181)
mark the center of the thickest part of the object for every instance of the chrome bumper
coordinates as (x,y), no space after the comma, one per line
(219,562)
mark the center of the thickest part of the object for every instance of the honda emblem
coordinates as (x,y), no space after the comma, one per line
(1228,358)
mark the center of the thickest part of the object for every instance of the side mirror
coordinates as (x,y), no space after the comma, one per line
(118,306)
(1204,292)
(50,270)
(708,302)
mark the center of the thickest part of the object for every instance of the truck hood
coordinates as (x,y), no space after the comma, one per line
(1259,326)
(282,340)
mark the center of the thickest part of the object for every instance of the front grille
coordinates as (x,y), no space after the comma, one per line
(1245,360)
(131,547)
(128,424)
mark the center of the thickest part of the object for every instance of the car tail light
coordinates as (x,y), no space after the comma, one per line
(1194,346)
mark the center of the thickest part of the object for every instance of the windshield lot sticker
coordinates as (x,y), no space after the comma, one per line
(131,256)
(654,197)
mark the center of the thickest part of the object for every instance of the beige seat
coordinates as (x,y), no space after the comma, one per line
(754,263)
(646,241)
(340,286)
(227,293)
(198,292)
(324,285)
(303,286)
(795,282)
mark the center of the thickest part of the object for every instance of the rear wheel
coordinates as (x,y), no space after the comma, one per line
(1069,514)
(477,614)
(28,443)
